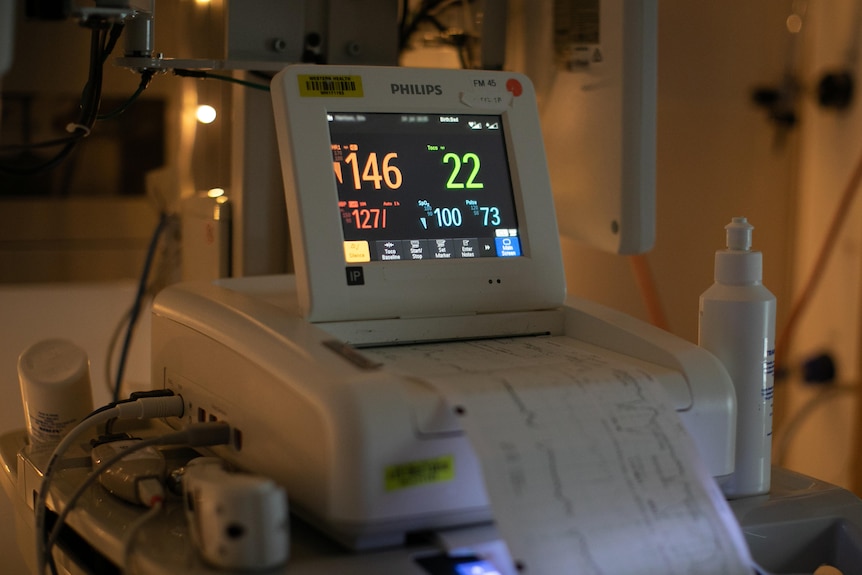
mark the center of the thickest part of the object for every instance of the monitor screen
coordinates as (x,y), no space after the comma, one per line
(423,186)
(416,193)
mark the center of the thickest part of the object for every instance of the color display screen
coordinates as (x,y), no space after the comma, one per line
(423,186)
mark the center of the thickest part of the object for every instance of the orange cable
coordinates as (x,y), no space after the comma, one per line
(783,341)
(649,292)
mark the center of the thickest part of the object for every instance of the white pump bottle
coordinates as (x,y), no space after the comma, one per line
(737,325)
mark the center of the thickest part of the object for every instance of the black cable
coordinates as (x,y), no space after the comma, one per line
(209,75)
(91,96)
(267,76)
(90,99)
(46,144)
(103,39)
(146,77)
(111,41)
(136,304)
(46,165)
(402,25)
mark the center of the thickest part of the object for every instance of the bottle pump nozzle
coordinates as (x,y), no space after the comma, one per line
(737,264)
(739,234)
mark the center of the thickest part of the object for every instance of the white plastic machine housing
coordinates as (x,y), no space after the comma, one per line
(437,100)
(326,422)
(290,361)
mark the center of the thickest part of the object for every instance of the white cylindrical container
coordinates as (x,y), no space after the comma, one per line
(737,324)
(54,375)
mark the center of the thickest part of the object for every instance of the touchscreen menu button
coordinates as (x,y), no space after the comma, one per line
(467,247)
(487,248)
(434,249)
(442,249)
(388,250)
(416,249)
(356,251)
(508,247)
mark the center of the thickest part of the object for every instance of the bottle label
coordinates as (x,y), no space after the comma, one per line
(768,390)
(769,362)
(46,427)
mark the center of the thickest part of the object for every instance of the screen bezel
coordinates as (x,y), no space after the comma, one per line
(425,288)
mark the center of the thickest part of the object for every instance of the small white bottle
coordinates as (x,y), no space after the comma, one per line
(737,325)
(54,376)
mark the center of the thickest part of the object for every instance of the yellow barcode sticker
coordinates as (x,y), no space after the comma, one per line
(317,86)
(421,472)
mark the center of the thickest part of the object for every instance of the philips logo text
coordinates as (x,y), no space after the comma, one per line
(417,89)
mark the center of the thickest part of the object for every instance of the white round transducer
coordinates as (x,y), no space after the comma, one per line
(54,376)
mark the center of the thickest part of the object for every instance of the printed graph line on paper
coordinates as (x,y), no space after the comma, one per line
(589,565)
(529,415)
(514,467)
(670,498)
(556,480)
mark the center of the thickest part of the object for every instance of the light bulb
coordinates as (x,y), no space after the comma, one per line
(205,114)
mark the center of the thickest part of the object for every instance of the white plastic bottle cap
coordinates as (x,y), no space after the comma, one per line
(54,376)
(739,234)
(738,265)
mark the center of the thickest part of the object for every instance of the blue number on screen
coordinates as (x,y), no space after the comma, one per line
(490,216)
(448,217)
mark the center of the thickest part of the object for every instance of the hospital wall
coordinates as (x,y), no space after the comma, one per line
(720,156)
(826,442)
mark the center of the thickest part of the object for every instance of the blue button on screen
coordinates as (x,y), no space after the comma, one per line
(508,247)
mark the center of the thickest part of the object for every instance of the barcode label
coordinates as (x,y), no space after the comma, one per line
(330,86)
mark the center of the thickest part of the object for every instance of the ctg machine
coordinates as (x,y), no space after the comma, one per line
(421,217)
(427,258)
(423,390)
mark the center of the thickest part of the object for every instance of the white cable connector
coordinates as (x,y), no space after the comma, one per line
(151,492)
(152,407)
(124,479)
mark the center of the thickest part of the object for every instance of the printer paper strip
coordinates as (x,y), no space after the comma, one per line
(590,471)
